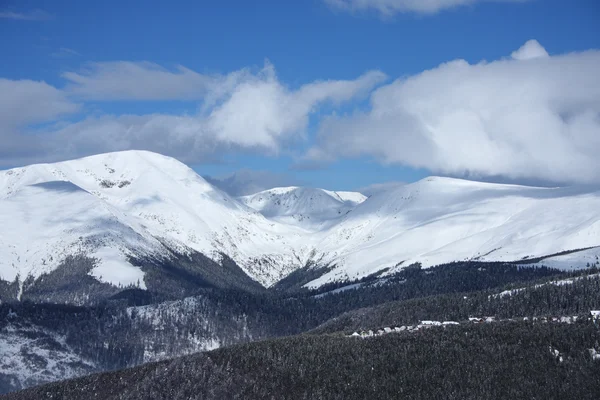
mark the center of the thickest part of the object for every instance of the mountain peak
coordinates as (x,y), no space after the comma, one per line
(116,205)
(308,207)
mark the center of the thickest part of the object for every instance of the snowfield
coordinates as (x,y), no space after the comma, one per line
(115,205)
(312,209)
(32,356)
(439,220)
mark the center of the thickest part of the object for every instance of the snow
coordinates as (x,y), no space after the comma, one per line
(430,323)
(115,205)
(439,220)
(427,324)
(43,222)
(339,290)
(114,268)
(33,356)
(566,261)
(561,282)
(309,208)
(556,354)
(508,293)
(125,201)
(351,197)
(163,315)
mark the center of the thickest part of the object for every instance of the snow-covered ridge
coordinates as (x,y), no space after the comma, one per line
(438,220)
(114,205)
(311,208)
(118,204)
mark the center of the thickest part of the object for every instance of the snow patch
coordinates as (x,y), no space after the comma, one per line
(31,357)
(114,268)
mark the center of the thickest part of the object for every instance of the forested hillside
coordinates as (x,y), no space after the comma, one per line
(502,361)
(552,298)
(117,334)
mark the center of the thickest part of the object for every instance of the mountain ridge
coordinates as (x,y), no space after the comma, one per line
(120,205)
(311,208)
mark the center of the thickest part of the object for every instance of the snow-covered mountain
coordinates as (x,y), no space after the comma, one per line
(439,220)
(140,204)
(115,205)
(314,209)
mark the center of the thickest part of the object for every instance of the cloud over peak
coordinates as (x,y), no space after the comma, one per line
(244,110)
(529,116)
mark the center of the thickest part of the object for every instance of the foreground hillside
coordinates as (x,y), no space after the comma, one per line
(500,361)
(41,343)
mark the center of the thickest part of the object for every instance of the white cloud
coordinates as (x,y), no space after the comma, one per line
(35,15)
(391,7)
(123,80)
(261,111)
(532,116)
(26,102)
(241,111)
(22,103)
(530,50)
(65,52)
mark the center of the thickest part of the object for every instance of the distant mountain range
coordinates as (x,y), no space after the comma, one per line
(128,210)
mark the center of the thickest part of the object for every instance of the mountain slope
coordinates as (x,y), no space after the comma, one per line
(439,220)
(46,221)
(119,207)
(115,205)
(313,209)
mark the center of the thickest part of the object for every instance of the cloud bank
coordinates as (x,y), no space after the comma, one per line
(391,7)
(243,110)
(528,116)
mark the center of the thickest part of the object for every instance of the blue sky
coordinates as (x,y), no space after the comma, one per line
(330,141)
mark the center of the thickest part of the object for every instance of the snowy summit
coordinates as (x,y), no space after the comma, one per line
(137,203)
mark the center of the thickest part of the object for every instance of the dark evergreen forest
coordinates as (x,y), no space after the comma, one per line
(132,327)
(489,361)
